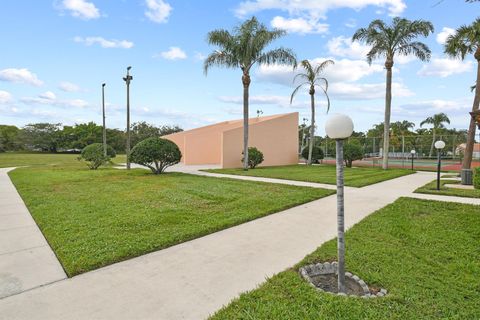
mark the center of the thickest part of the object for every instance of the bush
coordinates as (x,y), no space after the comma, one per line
(93,155)
(255,157)
(317,154)
(476,178)
(156,154)
(352,152)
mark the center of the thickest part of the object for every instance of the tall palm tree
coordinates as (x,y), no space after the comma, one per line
(466,40)
(243,49)
(436,121)
(388,41)
(312,79)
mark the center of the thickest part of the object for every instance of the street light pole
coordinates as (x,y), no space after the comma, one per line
(439,145)
(127,80)
(340,127)
(104,127)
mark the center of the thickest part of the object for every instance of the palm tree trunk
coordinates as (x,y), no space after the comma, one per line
(433,142)
(312,129)
(388,108)
(467,160)
(246,84)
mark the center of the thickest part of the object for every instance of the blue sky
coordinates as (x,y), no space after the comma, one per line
(56,54)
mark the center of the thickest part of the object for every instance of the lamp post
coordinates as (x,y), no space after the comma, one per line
(412,153)
(339,127)
(439,145)
(104,128)
(127,80)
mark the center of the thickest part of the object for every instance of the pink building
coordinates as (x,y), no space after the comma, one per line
(222,143)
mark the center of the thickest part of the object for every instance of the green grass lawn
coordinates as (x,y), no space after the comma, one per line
(17,159)
(425,253)
(93,218)
(354,177)
(431,188)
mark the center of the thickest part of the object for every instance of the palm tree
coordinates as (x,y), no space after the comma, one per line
(466,40)
(243,49)
(388,41)
(436,121)
(312,78)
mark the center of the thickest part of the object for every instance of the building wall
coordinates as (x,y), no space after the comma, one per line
(276,137)
(222,143)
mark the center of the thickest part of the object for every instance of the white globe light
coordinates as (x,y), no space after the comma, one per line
(413,152)
(339,126)
(439,144)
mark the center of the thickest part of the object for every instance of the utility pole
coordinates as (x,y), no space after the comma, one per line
(127,80)
(104,128)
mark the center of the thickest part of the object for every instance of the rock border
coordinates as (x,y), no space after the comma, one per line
(329,268)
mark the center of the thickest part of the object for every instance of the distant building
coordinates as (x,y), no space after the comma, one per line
(476,150)
(222,143)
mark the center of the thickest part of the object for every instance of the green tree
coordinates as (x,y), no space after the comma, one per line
(387,41)
(242,49)
(312,78)
(9,138)
(436,121)
(352,152)
(42,136)
(466,40)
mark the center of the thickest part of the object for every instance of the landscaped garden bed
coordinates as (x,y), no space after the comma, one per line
(431,188)
(92,218)
(425,253)
(354,177)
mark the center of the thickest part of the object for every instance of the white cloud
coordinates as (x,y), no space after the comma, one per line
(315,7)
(299,25)
(443,35)
(444,67)
(68,87)
(173,53)
(351,23)
(366,91)
(49,98)
(281,101)
(199,56)
(5,97)
(158,10)
(20,76)
(104,43)
(81,9)
(343,70)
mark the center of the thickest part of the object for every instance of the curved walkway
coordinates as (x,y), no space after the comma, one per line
(194,279)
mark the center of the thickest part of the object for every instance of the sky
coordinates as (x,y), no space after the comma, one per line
(56,54)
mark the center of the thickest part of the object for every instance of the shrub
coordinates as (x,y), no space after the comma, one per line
(255,157)
(156,154)
(476,178)
(317,154)
(93,155)
(352,152)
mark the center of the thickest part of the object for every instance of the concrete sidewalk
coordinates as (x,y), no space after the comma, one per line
(26,259)
(194,279)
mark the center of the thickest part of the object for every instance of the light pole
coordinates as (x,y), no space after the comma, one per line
(412,153)
(439,145)
(104,128)
(127,80)
(339,127)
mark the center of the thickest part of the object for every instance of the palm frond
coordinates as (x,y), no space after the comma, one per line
(220,59)
(278,56)
(294,93)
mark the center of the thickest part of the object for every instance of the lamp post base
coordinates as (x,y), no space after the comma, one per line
(467,177)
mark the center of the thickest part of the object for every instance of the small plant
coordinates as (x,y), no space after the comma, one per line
(156,153)
(317,154)
(255,157)
(352,152)
(94,157)
(476,178)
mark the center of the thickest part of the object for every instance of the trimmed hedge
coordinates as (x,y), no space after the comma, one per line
(255,157)
(317,154)
(156,153)
(476,178)
(93,155)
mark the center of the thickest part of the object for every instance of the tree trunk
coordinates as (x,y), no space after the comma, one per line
(433,142)
(246,84)
(340,218)
(312,127)
(467,160)
(388,108)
